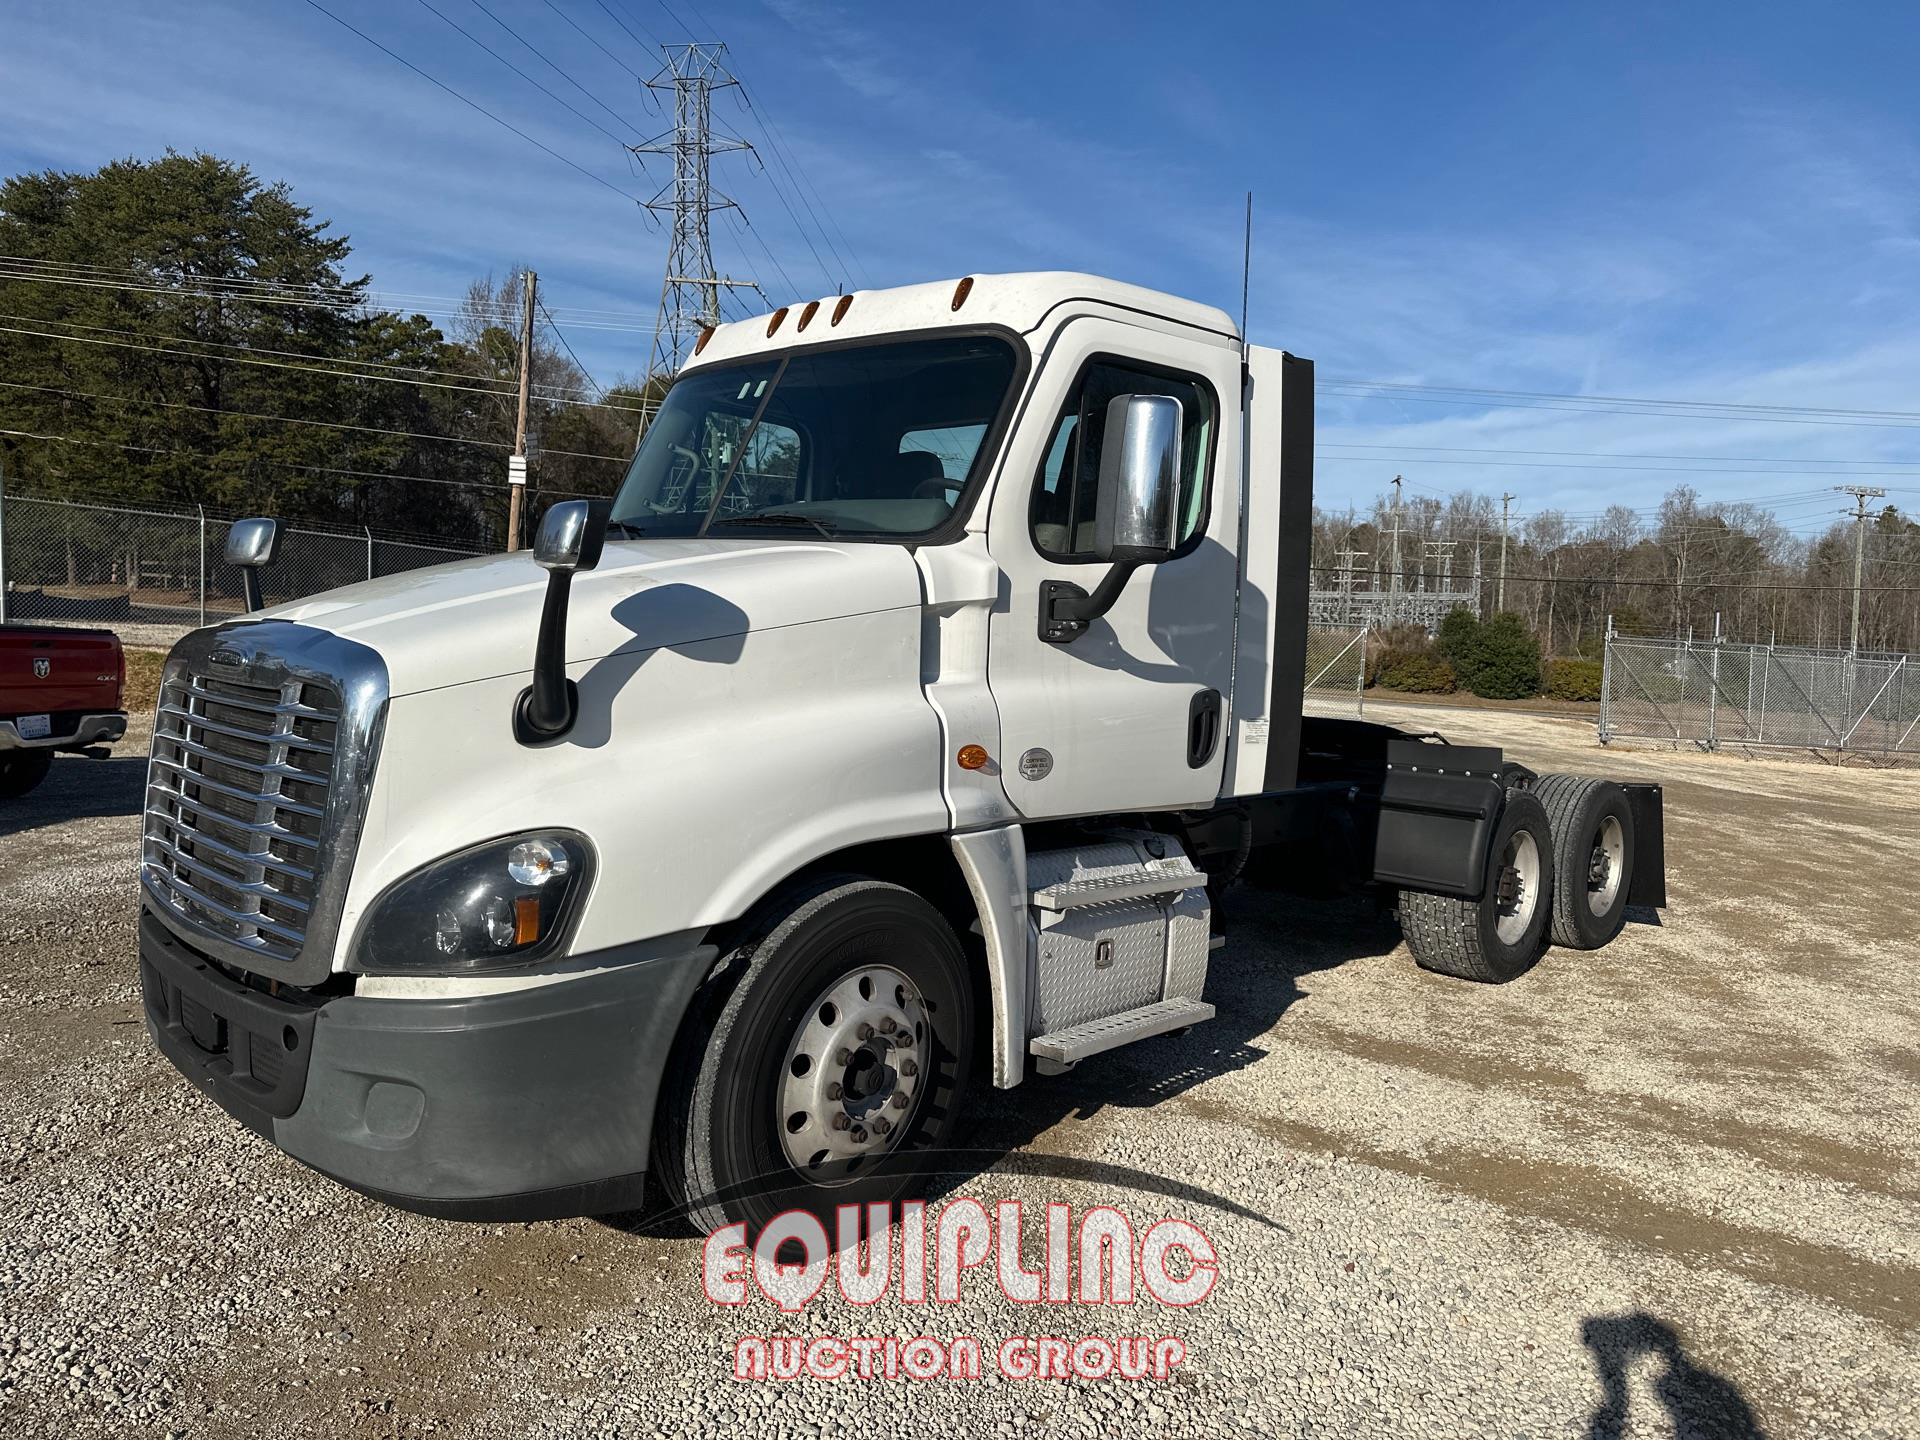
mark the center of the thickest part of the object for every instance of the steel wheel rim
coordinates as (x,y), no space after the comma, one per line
(1605,865)
(1522,857)
(853,1074)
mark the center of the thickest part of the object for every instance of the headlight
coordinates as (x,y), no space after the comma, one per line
(508,902)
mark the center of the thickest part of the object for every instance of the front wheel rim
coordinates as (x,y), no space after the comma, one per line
(853,1074)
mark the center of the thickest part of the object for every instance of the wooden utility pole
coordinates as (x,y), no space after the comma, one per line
(1500,590)
(1861,494)
(517,466)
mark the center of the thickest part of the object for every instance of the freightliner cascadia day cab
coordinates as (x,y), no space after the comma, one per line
(890,732)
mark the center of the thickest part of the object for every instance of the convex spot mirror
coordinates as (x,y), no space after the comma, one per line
(253,543)
(1134,516)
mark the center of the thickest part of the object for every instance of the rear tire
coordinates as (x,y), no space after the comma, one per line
(744,1133)
(1593,851)
(1501,935)
(21,770)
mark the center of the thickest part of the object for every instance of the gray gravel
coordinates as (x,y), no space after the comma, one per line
(1671,1188)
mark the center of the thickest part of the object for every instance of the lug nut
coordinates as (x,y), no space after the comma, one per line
(909,1067)
(843,1056)
(865,1032)
(899,1101)
(882,1125)
(833,1091)
(859,1137)
(887,1027)
(841,1122)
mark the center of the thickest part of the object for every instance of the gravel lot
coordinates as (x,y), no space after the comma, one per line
(1669,1188)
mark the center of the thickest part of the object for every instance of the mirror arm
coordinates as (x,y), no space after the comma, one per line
(548,707)
(250,589)
(1066,610)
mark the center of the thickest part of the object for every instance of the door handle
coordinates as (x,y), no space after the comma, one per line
(1203,728)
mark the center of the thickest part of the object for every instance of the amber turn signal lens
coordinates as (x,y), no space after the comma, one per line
(526,920)
(972,757)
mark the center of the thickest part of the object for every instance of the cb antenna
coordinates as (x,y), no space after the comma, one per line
(1246,271)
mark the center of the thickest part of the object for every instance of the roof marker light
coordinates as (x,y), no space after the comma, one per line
(806,315)
(961,291)
(840,310)
(778,316)
(706,334)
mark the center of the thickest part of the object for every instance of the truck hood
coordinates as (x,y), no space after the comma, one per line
(476,619)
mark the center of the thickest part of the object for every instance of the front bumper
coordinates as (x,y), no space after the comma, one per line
(87,730)
(531,1104)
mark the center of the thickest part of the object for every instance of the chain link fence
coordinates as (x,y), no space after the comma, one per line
(1713,693)
(1337,666)
(153,575)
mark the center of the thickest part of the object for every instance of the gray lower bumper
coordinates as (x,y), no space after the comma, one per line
(92,730)
(527,1105)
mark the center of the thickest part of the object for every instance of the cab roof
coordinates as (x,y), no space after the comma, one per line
(1020,302)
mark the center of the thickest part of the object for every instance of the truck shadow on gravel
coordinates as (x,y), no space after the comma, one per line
(1251,984)
(78,789)
(1698,1401)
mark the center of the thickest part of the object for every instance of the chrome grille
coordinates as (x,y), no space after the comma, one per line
(262,750)
(237,804)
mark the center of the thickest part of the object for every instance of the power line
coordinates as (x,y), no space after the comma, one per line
(570,109)
(271,464)
(296,420)
(630,35)
(313,369)
(563,74)
(474,104)
(593,41)
(777,143)
(1605,454)
(561,337)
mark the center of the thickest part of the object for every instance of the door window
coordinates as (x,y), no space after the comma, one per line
(1065,490)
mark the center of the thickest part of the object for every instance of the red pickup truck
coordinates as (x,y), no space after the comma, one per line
(60,689)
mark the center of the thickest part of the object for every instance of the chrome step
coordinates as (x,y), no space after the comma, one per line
(1065,1047)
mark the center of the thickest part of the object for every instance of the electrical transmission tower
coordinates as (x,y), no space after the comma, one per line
(690,293)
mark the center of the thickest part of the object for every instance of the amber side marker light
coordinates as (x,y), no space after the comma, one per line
(778,316)
(526,920)
(972,757)
(806,315)
(840,310)
(961,291)
(706,334)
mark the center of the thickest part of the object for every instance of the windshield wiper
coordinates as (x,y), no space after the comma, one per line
(627,532)
(777,517)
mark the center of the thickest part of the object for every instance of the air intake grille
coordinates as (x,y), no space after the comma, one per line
(236,832)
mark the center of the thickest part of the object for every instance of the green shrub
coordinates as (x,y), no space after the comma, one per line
(1573,679)
(1458,637)
(1420,672)
(1503,662)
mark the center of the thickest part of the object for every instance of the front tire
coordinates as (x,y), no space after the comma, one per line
(796,1082)
(21,770)
(1500,936)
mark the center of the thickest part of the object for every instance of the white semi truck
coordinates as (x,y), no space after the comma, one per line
(890,732)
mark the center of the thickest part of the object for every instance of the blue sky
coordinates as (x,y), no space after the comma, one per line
(1693,202)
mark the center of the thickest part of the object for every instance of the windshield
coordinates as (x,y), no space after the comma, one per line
(865,440)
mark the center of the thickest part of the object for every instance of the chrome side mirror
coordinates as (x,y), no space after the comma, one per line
(568,538)
(1133,516)
(1135,519)
(572,535)
(250,545)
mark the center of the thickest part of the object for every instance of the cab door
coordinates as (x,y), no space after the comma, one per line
(1131,714)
